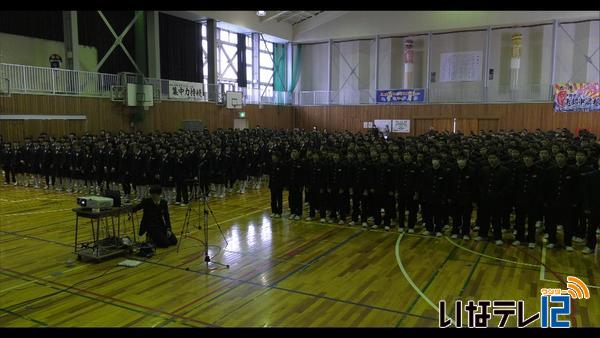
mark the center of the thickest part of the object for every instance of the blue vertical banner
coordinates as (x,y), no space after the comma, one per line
(400,95)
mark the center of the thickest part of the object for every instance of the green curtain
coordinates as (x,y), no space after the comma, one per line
(296,66)
(279,66)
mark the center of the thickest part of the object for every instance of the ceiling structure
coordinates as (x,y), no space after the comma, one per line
(291,17)
(319,26)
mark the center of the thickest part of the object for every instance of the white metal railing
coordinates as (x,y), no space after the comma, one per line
(42,80)
(55,81)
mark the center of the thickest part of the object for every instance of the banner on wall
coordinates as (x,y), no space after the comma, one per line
(581,97)
(400,126)
(182,90)
(400,95)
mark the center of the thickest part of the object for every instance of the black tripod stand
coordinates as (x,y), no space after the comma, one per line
(201,199)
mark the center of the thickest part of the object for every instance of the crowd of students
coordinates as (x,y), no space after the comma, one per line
(545,179)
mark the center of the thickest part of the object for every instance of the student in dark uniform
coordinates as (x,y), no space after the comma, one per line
(561,190)
(277,174)
(528,199)
(407,178)
(88,172)
(204,172)
(58,161)
(36,164)
(296,181)
(7,164)
(181,174)
(314,186)
(124,170)
(46,164)
(493,182)
(191,167)
(462,191)
(75,166)
(360,177)
(339,189)
(242,167)
(583,167)
(591,207)
(545,163)
(18,164)
(156,221)
(514,165)
(139,176)
(111,166)
(384,184)
(434,192)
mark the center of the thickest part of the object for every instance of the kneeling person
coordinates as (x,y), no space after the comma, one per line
(156,221)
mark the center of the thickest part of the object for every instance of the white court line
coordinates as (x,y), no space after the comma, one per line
(25,200)
(410,281)
(33,281)
(488,256)
(228,220)
(543,265)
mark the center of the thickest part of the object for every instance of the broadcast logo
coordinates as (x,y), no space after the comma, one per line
(555,307)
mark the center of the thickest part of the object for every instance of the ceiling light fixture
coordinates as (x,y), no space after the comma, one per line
(261,13)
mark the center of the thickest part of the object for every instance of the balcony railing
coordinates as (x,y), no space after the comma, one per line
(54,81)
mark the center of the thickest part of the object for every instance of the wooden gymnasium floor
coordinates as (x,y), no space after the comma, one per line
(283,273)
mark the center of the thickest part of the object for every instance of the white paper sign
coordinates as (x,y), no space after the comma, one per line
(382,124)
(182,90)
(400,126)
(463,66)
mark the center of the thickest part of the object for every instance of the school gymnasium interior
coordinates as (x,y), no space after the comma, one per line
(255,239)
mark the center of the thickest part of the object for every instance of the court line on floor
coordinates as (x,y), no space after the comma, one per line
(102,295)
(264,264)
(488,256)
(93,299)
(31,282)
(543,265)
(410,281)
(35,212)
(274,284)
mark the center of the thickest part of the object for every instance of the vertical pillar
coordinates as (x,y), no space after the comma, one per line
(141,51)
(329,62)
(71,38)
(428,78)
(376,62)
(288,70)
(553,62)
(486,62)
(408,64)
(211,58)
(256,64)
(153,38)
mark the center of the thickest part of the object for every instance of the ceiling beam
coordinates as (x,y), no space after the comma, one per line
(275,16)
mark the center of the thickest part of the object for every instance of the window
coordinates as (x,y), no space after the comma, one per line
(266,67)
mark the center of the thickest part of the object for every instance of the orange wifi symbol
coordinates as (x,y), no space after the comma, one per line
(577,288)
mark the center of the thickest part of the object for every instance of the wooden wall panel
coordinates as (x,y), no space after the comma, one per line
(103,114)
(517,116)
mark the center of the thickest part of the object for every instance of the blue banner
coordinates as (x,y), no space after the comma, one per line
(400,95)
